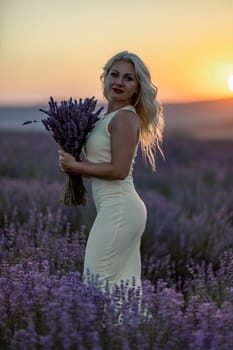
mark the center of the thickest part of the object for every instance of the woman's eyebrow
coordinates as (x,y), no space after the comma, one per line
(127,74)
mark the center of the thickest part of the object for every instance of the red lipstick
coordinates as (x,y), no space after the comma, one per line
(117,91)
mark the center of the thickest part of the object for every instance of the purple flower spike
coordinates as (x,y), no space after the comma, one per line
(69,124)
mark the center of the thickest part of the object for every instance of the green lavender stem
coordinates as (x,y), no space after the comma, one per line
(74,192)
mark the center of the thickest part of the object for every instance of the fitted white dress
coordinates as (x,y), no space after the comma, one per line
(113,246)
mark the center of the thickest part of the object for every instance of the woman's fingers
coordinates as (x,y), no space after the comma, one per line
(66,161)
(61,158)
(60,165)
(61,153)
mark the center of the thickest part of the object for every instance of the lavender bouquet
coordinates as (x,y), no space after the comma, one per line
(69,124)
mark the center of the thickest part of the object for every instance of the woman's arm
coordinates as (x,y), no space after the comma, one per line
(124,129)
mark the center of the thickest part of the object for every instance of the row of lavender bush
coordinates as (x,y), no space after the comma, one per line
(187,259)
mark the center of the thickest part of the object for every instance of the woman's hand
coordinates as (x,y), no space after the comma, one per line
(67,162)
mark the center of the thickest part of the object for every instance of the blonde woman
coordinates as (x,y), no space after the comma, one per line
(133,117)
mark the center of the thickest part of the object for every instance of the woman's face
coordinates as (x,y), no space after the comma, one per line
(121,82)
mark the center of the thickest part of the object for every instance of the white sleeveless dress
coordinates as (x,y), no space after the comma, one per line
(113,246)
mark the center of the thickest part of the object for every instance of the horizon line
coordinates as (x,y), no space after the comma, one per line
(171,102)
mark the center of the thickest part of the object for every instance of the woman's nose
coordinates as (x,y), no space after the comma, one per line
(119,80)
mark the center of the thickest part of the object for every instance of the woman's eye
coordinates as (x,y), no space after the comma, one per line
(113,74)
(129,78)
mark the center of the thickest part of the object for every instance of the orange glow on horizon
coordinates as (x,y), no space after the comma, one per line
(60,51)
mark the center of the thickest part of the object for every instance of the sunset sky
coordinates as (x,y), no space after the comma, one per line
(58,47)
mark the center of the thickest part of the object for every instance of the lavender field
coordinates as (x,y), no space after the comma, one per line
(187,254)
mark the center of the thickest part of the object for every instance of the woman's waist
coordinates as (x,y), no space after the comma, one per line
(115,193)
(112,187)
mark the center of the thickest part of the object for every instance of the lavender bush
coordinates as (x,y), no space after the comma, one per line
(187,255)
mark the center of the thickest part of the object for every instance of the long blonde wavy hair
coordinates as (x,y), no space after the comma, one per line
(149,110)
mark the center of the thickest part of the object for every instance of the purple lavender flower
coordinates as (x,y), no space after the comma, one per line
(69,124)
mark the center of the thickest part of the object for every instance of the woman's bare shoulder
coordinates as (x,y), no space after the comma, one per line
(125,121)
(126,116)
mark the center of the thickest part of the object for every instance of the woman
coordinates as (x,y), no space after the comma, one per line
(133,116)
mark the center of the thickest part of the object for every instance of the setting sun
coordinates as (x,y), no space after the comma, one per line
(230,82)
(64,56)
